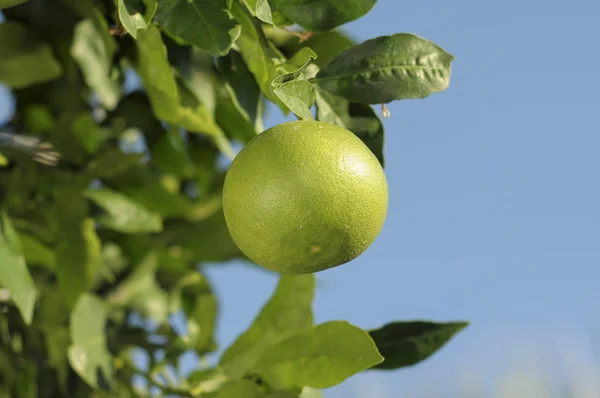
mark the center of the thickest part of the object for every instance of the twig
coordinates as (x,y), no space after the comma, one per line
(385,111)
(302,36)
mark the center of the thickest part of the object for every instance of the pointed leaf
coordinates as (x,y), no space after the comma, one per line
(14,275)
(95,61)
(299,96)
(25,59)
(388,68)
(202,23)
(257,53)
(136,14)
(263,11)
(287,312)
(324,14)
(88,354)
(321,357)
(407,343)
(242,88)
(123,213)
(155,71)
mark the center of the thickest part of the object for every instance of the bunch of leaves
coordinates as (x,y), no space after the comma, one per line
(143,99)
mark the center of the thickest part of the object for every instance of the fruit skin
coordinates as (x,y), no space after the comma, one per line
(304,196)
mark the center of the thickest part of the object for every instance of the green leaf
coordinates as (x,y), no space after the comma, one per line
(294,66)
(292,89)
(407,343)
(299,96)
(123,213)
(263,11)
(324,14)
(36,252)
(88,354)
(257,52)
(202,23)
(287,312)
(155,71)
(95,61)
(321,357)
(281,394)
(327,45)
(11,3)
(387,68)
(78,248)
(240,389)
(136,14)
(14,275)
(358,118)
(216,243)
(194,296)
(25,59)
(206,381)
(196,118)
(57,340)
(141,292)
(243,90)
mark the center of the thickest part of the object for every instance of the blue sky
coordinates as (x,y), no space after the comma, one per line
(494,212)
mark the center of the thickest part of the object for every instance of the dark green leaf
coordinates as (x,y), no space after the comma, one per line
(232,117)
(155,71)
(88,354)
(299,96)
(257,52)
(242,88)
(407,343)
(123,213)
(387,68)
(95,60)
(321,357)
(324,14)
(11,3)
(136,14)
(202,23)
(78,248)
(287,312)
(14,275)
(25,59)
(358,118)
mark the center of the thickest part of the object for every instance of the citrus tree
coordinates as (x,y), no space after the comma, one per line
(111,191)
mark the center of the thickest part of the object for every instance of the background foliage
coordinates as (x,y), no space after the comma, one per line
(121,227)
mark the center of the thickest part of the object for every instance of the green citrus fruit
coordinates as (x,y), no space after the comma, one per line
(304,196)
